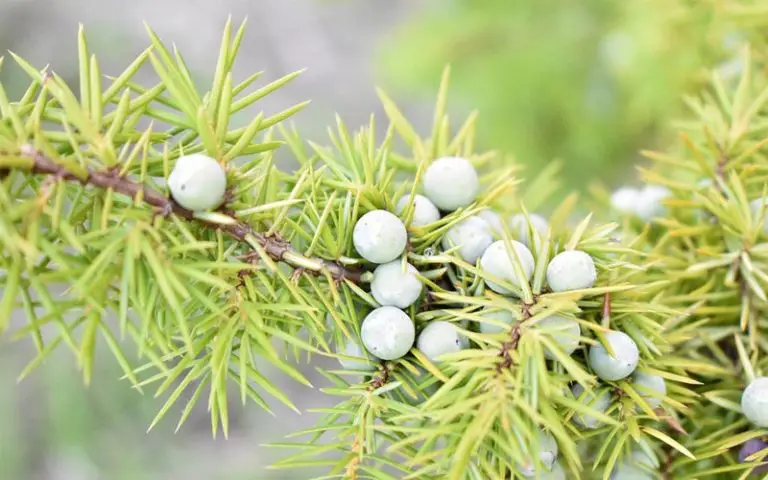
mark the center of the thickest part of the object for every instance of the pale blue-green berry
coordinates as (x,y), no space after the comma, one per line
(571,270)
(439,338)
(649,203)
(498,262)
(625,199)
(557,473)
(547,447)
(628,471)
(198,182)
(599,403)
(451,183)
(361,360)
(652,388)
(504,317)
(394,285)
(379,236)
(519,225)
(639,466)
(424,211)
(612,368)
(565,332)
(388,333)
(759,207)
(495,224)
(754,402)
(472,235)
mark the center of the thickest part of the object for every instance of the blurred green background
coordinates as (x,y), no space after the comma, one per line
(589,82)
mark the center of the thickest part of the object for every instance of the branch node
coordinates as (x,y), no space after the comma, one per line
(274,245)
(381,378)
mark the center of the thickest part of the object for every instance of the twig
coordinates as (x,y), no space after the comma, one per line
(351,470)
(381,378)
(514,338)
(277,248)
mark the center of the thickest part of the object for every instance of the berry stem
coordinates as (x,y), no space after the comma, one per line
(28,158)
(607,310)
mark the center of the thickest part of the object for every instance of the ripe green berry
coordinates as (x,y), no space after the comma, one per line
(379,236)
(571,270)
(598,403)
(198,182)
(393,285)
(649,202)
(498,262)
(566,332)
(547,448)
(754,402)
(439,338)
(361,360)
(495,224)
(557,473)
(519,224)
(500,316)
(652,388)
(639,466)
(424,211)
(472,235)
(451,183)
(611,368)
(625,200)
(388,333)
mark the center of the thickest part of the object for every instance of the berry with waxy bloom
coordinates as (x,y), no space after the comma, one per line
(472,235)
(571,270)
(439,338)
(379,236)
(619,365)
(652,388)
(754,402)
(519,225)
(498,262)
(451,183)
(198,182)
(388,333)
(424,211)
(394,285)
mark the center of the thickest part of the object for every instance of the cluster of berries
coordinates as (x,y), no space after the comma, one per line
(199,183)
(389,333)
(646,203)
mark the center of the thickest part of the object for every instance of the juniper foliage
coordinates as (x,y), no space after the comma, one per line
(206,300)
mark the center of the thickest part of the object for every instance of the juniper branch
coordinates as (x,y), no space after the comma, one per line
(514,340)
(381,378)
(277,248)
